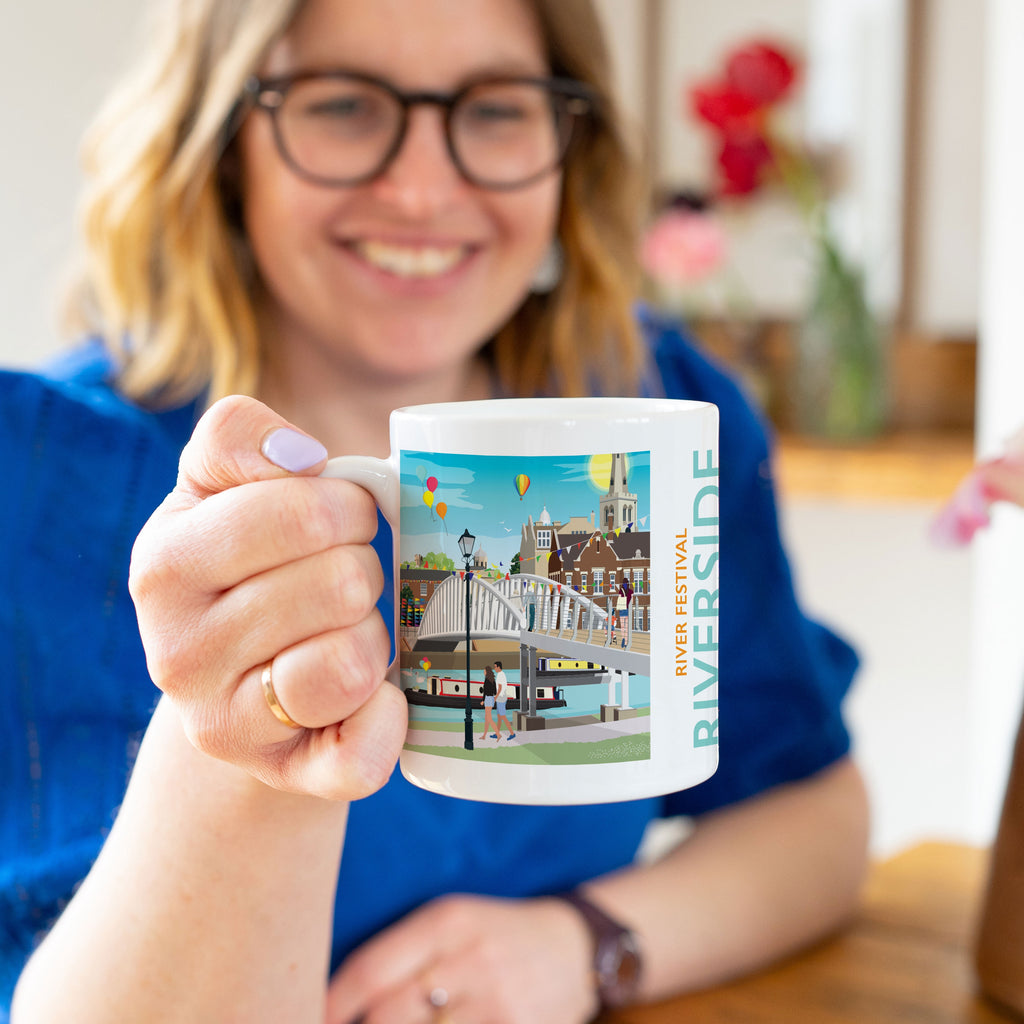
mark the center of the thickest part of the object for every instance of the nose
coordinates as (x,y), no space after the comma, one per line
(421,179)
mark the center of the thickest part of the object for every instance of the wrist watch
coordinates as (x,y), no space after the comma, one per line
(617,960)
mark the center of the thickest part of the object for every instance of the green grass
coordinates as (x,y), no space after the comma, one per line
(619,748)
(452,726)
(415,723)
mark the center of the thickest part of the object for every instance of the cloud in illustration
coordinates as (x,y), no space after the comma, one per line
(412,496)
(451,482)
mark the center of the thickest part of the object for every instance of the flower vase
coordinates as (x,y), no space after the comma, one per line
(840,392)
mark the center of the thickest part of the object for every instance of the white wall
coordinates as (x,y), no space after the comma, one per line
(57,58)
(997,676)
(946,280)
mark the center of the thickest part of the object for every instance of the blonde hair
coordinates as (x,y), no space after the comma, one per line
(168,278)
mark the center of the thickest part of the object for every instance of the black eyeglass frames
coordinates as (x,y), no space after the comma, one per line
(345,128)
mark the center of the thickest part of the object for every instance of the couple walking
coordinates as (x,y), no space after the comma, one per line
(496,695)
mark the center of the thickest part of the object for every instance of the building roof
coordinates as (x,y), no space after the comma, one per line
(412,572)
(626,545)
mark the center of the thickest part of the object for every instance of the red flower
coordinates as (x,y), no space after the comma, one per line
(722,106)
(737,106)
(761,72)
(742,163)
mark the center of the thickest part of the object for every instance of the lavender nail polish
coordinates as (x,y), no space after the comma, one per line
(291,450)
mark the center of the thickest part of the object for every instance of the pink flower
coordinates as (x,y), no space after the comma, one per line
(683,247)
(963,515)
(968,510)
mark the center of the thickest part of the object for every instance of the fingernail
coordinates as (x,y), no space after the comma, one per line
(291,450)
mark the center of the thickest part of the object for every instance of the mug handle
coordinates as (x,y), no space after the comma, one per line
(378,476)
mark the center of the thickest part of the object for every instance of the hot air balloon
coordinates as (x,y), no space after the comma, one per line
(521,483)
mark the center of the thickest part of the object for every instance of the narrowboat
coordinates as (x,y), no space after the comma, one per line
(446,692)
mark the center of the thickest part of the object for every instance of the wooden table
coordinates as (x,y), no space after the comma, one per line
(905,958)
(908,466)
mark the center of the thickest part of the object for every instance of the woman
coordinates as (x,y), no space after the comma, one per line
(237,246)
(490,693)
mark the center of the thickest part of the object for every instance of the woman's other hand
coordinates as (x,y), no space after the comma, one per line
(253,561)
(482,959)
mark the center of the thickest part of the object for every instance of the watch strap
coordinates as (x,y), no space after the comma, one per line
(604,930)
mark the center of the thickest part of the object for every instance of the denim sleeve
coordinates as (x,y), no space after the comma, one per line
(81,475)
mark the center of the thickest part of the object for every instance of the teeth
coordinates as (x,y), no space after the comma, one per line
(406,261)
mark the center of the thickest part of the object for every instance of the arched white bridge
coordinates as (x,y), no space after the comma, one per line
(531,610)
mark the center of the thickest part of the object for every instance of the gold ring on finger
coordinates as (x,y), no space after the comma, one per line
(267,681)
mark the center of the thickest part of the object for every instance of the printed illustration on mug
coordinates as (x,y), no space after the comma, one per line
(524,620)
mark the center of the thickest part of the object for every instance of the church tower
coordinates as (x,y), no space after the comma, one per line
(618,506)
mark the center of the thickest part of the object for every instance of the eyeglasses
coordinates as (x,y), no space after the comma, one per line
(344,128)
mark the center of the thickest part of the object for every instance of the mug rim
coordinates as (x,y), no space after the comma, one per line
(590,407)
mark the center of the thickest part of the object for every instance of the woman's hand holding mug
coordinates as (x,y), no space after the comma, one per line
(255,586)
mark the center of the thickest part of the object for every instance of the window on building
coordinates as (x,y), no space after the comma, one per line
(611,581)
(638,580)
(423,589)
(638,616)
(543,538)
(598,580)
(583,581)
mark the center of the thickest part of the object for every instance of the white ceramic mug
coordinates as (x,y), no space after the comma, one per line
(583,533)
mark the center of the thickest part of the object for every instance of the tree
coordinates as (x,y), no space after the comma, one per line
(436,561)
(516,569)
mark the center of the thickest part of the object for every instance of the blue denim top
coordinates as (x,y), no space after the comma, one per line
(83,469)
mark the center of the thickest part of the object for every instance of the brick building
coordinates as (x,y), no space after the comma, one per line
(594,557)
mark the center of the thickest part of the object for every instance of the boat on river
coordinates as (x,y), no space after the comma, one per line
(448,692)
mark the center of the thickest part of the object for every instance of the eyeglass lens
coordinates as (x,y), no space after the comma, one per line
(339,129)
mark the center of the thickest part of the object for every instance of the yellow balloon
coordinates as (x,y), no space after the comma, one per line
(428,498)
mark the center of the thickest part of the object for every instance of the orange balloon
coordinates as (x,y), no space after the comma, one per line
(441,509)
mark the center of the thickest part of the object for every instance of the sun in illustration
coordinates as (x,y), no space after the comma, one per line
(600,469)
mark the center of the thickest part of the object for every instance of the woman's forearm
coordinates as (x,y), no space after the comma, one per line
(753,882)
(212,900)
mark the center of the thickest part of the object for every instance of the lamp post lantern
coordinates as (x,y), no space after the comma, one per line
(466,544)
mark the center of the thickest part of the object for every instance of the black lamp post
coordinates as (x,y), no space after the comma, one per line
(466,544)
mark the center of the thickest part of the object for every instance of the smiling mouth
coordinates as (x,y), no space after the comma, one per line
(411,261)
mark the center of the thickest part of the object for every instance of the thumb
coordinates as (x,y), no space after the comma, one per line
(240,440)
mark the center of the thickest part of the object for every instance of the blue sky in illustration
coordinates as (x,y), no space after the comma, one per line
(479,492)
